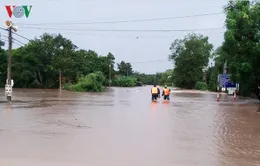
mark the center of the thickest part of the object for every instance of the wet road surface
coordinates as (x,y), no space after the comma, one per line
(123,127)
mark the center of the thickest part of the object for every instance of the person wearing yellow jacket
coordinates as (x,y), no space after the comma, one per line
(166,93)
(154,92)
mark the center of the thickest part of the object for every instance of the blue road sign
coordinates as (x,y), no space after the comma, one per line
(230,85)
(223,79)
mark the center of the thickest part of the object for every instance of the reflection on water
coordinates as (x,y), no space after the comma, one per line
(123,127)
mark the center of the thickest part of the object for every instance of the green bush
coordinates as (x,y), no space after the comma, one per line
(201,86)
(125,81)
(93,82)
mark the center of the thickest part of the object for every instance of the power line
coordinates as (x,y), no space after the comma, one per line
(123,30)
(3,29)
(18,44)
(19,41)
(13,39)
(124,36)
(13,42)
(137,37)
(132,36)
(21,36)
(4,40)
(126,21)
(17,34)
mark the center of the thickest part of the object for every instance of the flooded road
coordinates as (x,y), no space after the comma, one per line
(123,128)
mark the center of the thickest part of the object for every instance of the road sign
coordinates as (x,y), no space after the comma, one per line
(223,80)
(230,85)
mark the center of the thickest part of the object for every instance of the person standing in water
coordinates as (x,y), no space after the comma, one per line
(166,93)
(154,92)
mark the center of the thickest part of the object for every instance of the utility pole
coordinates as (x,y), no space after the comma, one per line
(9,55)
(9,82)
(9,67)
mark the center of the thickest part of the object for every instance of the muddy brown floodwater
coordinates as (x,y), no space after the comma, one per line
(123,127)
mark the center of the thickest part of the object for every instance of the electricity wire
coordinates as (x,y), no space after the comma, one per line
(124,30)
(13,42)
(14,39)
(127,21)
(21,36)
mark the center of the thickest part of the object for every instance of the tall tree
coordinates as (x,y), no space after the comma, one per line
(37,64)
(111,61)
(46,57)
(166,77)
(124,68)
(242,44)
(213,71)
(190,55)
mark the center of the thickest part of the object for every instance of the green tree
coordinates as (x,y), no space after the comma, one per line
(3,65)
(37,64)
(106,65)
(166,77)
(190,55)
(93,82)
(23,68)
(213,71)
(148,79)
(201,86)
(125,81)
(62,59)
(124,68)
(242,46)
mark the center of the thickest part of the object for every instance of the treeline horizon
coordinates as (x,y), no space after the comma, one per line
(39,63)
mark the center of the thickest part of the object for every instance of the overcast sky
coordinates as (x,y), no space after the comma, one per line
(125,45)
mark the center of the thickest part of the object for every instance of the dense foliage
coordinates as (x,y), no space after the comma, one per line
(3,65)
(125,81)
(38,64)
(201,86)
(241,48)
(165,77)
(124,68)
(146,79)
(211,78)
(190,55)
(242,44)
(158,78)
(93,82)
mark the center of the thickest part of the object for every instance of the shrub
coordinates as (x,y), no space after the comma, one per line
(125,81)
(201,86)
(93,82)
